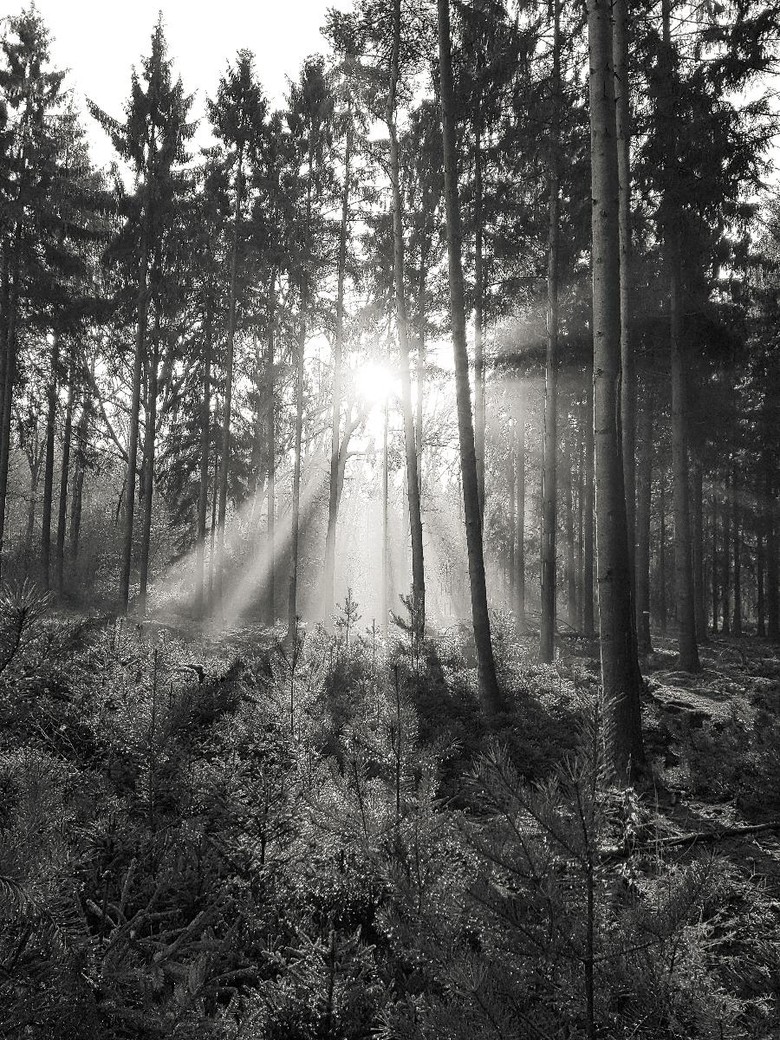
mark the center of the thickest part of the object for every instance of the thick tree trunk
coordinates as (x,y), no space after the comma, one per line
(228,397)
(627,365)
(715,590)
(644,484)
(520,527)
(772,543)
(549,471)
(412,470)
(48,466)
(726,561)
(662,582)
(621,678)
(736,539)
(62,516)
(588,621)
(271,528)
(292,603)
(569,568)
(479,309)
(488,682)
(329,591)
(150,435)
(700,606)
(205,450)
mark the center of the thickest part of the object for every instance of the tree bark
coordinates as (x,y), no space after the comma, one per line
(700,607)
(643,510)
(736,539)
(205,451)
(228,397)
(588,620)
(292,604)
(479,309)
(329,594)
(714,565)
(772,561)
(150,434)
(549,472)
(726,561)
(271,384)
(621,678)
(662,611)
(569,568)
(64,471)
(48,466)
(412,470)
(520,526)
(488,682)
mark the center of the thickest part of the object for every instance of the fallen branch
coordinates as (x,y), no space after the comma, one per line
(693,838)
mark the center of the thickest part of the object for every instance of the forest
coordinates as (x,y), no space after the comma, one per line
(389,533)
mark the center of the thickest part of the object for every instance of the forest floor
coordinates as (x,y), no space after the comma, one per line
(198,826)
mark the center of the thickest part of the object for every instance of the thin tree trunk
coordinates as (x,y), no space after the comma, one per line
(9,375)
(621,678)
(549,472)
(412,471)
(488,682)
(205,449)
(48,466)
(142,305)
(35,475)
(63,505)
(643,510)
(511,481)
(581,518)
(688,652)
(228,398)
(385,523)
(77,500)
(760,600)
(329,596)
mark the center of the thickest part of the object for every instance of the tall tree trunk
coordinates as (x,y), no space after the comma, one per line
(549,472)
(662,600)
(714,551)
(35,474)
(271,385)
(150,434)
(621,678)
(772,543)
(736,626)
(520,485)
(421,358)
(644,484)
(726,560)
(627,366)
(588,621)
(205,450)
(511,487)
(385,522)
(329,592)
(479,309)
(688,652)
(11,279)
(292,606)
(760,599)
(142,307)
(228,398)
(700,607)
(412,472)
(48,466)
(581,518)
(64,470)
(488,682)
(77,500)
(569,568)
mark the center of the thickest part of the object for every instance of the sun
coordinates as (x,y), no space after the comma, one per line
(374,383)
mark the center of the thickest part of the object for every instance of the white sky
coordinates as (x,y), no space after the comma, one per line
(100,40)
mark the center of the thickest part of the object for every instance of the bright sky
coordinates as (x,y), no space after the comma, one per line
(100,40)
